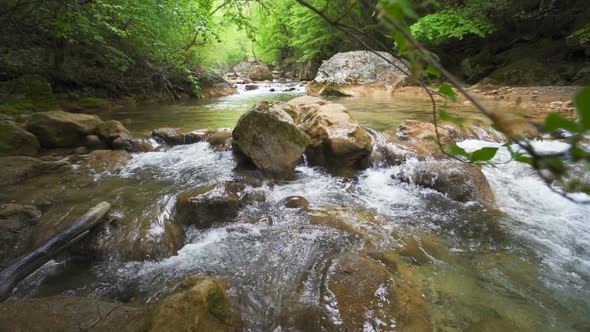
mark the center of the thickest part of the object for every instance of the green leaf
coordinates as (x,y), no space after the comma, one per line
(523,159)
(554,121)
(459,151)
(447,91)
(432,71)
(443,115)
(583,107)
(483,154)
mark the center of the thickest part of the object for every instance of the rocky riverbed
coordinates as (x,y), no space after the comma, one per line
(303,214)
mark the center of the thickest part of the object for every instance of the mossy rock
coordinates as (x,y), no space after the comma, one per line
(30,93)
(15,141)
(199,303)
(60,129)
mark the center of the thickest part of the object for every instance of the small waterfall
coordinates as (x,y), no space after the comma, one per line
(258,88)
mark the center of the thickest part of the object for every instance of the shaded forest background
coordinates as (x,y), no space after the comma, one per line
(111,48)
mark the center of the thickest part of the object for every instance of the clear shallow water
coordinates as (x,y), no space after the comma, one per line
(224,112)
(529,265)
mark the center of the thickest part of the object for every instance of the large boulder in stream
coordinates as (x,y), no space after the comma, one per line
(259,72)
(458,181)
(275,135)
(358,73)
(15,141)
(338,141)
(270,139)
(58,129)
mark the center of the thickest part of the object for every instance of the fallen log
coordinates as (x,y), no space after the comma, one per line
(25,265)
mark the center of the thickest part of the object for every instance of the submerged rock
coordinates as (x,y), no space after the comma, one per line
(364,292)
(101,160)
(199,303)
(148,236)
(338,141)
(270,139)
(16,222)
(69,314)
(15,141)
(358,73)
(60,129)
(459,181)
(420,138)
(206,206)
(17,169)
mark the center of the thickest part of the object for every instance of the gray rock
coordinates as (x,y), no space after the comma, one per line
(270,139)
(358,73)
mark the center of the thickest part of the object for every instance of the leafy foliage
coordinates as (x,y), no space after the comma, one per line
(582,36)
(450,24)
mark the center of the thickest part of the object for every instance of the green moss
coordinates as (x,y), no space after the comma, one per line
(16,107)
(32,93)
(219,305)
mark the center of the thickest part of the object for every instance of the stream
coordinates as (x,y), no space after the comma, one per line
(529,264)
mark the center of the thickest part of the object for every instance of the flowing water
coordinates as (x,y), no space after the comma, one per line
(529,265)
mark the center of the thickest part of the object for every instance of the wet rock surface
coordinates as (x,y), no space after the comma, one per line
(296,202)
(16,221)
(420,138)
(364,292)
(270,139)
(338,141)
(62,313)
(101,160)
(459,181)
(17,169)
(199,303)
(129,238)
(209,205)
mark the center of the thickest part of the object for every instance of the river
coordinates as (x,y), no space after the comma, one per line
(529,265)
